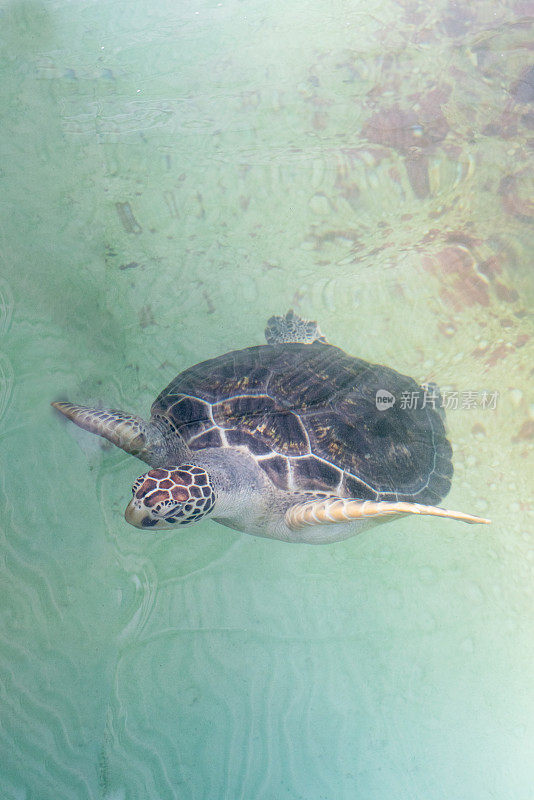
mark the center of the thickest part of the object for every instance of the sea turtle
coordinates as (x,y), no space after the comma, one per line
(292,440)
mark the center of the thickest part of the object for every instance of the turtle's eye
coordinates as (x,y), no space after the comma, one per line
(168,508)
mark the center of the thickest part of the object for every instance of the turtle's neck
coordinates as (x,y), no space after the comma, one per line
(238,482)
(167,446)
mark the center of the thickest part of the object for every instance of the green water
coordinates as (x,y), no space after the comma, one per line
(172,174)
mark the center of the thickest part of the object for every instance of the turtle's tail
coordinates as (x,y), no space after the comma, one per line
(132,434)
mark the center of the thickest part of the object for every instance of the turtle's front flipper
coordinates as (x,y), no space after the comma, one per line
(132,434)
(336,510)
(292,329)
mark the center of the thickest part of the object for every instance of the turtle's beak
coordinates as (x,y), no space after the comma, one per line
(138,517)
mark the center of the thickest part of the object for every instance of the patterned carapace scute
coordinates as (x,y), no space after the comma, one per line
(308,414)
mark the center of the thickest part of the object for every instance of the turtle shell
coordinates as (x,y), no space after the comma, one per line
(308,414)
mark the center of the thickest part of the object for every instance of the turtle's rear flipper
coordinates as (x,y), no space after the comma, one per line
(336,510)
(292,329)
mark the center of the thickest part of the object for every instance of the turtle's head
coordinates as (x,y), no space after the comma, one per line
(166,498)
